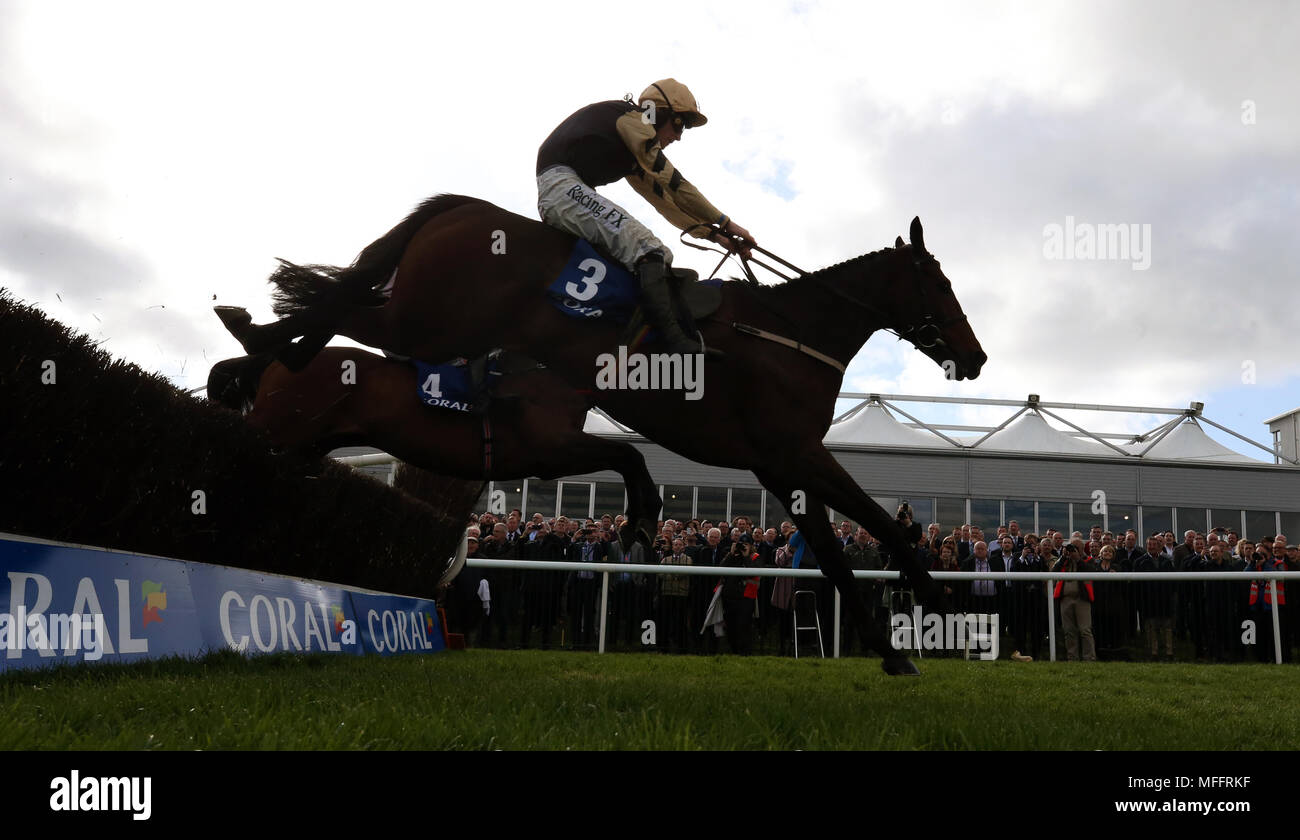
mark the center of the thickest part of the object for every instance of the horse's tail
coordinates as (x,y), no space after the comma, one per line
(304,287)
(233,382)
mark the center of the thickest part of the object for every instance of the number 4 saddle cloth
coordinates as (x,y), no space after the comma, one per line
(450,385)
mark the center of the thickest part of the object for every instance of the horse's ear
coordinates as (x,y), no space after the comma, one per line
(917,236)
(898,242)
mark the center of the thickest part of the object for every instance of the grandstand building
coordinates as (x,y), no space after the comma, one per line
(1036,467)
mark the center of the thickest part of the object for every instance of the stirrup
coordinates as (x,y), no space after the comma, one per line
(710,353)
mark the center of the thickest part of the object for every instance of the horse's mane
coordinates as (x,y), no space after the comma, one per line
(821,273)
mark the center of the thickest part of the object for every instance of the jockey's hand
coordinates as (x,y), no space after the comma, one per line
(728,238)
(736,230)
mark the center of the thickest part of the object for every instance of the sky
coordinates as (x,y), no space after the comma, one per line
(156,158)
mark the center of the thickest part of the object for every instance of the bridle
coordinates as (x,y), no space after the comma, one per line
(924,333)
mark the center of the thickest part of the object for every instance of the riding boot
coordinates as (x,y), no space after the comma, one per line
(656,298)
(477,369)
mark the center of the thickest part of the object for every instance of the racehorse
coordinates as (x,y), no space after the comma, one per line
(440,262)
(533,428)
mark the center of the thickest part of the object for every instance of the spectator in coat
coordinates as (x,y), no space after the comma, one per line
(673,601)
(1076,598)
(504,584)
(584,586)
(783,597)
(862,555)
(1155,599)
(985,596)
(1030,601)
(739,598)
(545,591)
(1221,621)
(1110,610)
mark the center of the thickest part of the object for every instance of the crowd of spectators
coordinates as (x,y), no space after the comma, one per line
(1217,620)
(1097,618)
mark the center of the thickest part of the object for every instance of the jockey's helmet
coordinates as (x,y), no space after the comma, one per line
(677,99)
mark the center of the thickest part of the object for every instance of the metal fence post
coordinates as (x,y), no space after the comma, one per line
(604,607)
(1051,620)
(1277,626)
(835,633)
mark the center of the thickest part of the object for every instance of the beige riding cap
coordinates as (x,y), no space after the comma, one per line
(674,95)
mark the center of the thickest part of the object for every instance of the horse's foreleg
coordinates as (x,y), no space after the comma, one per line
(816,529)
(825,477)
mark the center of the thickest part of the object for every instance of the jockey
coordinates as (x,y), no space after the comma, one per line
(606,141)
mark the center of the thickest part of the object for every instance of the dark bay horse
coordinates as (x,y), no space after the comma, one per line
(443,267)
(534,425)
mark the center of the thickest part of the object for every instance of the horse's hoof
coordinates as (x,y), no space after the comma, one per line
(900,666)
(235,318)
(238,323)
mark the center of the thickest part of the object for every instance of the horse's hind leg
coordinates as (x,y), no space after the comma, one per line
(368,325)
(585,453)
(817,530)
(372,326)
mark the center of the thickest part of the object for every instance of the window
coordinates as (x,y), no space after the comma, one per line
(1119,518)
(951,513)
(711,503)
(679,500)
(1261,523)
(1156,519)
(541,497)
(1230,519)
(922,511)
(609,499)
(1084,518)
(744,502)
(1054,515)
(1189,519)
(1023,513)
(514,494)
(1291,529)
(987,514)
(575,499)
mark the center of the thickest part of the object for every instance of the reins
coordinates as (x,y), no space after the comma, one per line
(744,262)
(923,334)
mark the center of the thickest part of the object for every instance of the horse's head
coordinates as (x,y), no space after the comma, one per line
(928,314)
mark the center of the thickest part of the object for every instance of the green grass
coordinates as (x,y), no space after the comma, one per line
(558,700)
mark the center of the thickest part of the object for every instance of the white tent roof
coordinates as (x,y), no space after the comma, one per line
(1189,442)
(873,424)
(1031,433)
